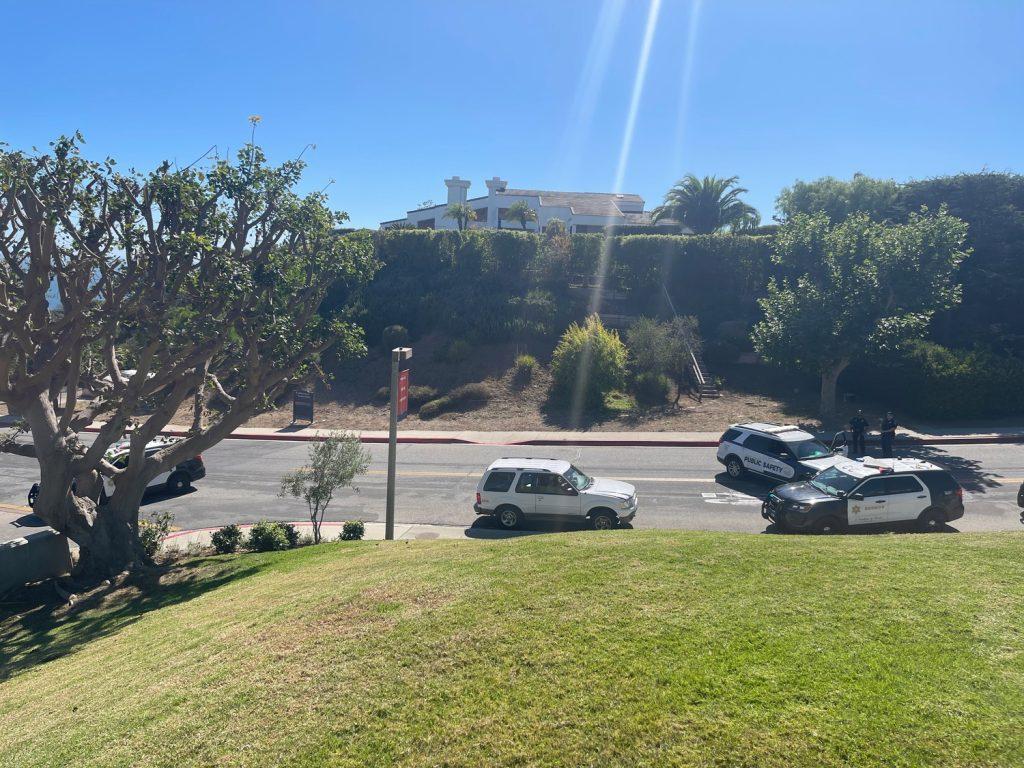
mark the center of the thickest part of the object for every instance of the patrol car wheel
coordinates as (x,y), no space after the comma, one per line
(931,521)
(509,517)
(734,467)
(828,526)
(178,483)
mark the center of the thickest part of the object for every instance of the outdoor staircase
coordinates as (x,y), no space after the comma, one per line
(705,384)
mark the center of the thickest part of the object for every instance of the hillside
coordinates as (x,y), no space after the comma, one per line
(620,649)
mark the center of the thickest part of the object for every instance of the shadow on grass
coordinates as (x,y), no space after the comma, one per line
(39,627)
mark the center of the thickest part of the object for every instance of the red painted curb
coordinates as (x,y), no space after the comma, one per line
(596,441)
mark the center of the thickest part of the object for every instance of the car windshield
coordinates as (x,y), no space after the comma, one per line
(579,480)
(810,449)
(833,481)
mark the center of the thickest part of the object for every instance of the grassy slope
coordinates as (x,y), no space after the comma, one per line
(620,648)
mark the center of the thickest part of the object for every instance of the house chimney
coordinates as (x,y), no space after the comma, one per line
(496,185)
(457,189)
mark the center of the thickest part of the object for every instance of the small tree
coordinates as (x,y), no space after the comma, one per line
(588,362)
(333,464)
(856,288)
(665,349)
(521,211)
(462,213)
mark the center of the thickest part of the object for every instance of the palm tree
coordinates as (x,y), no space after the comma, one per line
(463,213)
(708,205)
(520,211)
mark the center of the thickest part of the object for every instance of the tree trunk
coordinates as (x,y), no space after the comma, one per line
(829,380)
(107,541)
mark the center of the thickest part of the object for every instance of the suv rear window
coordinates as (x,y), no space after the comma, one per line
(499,481)
(730,436)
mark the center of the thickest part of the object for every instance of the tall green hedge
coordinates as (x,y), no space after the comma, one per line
(932,381)
(473,283)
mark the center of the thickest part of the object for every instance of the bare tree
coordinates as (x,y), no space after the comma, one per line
(164,284)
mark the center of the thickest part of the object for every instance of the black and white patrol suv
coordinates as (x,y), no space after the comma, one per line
(866,492)
(773,451)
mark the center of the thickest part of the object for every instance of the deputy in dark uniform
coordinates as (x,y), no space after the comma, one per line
(858,426)
(888,430)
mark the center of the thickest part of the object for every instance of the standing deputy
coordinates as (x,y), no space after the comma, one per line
(858,426)
(888,430)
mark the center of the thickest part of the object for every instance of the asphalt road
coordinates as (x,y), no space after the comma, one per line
(681,488)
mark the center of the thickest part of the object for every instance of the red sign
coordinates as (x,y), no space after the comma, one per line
(403,392)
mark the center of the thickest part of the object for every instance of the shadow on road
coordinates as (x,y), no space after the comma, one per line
(968,472)
(159,494)
(485,527)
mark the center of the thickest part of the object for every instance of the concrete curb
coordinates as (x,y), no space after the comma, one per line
(618,442)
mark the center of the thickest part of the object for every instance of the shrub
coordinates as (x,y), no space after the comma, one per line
(591,356)
(651,388)
(227,539)
(459,351)
(523,368)
(651,346)
(153,530)
(267,536)
(417,395)
(394,336)
(460,398)
(933,381)
(291,533)
(352,530)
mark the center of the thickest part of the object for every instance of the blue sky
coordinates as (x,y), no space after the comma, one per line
(399,95)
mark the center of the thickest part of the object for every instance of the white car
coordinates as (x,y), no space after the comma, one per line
(776,452)
(174,481)
(515,489)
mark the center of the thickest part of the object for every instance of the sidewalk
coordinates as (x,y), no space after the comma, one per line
(956,436)
(329,531)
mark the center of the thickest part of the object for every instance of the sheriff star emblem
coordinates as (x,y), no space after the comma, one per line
(856,508)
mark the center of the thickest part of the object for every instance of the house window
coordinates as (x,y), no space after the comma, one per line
(425,224)
(481,215)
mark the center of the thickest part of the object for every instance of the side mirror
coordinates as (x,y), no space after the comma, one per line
(857,496)
(838,451)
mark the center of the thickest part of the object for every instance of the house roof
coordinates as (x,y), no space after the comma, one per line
(583,203)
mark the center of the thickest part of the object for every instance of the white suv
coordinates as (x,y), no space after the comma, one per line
(776,452)
(515,489)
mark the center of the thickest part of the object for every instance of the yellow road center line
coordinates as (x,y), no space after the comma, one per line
(14,508)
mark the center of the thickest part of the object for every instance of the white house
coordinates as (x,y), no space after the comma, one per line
(580,211)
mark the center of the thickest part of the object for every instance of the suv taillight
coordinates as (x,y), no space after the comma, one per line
(960,492)
(199,458)
(478,497)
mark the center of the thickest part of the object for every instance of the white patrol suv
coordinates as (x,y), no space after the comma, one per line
(515,489)
(773,451)
(868,492)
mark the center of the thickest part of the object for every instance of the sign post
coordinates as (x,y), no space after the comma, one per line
(302,406)
(399,405)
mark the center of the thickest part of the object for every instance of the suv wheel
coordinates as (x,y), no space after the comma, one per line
(827,526)
(177,483)
(734,467)
(603,521)
(509,517)
(931,521)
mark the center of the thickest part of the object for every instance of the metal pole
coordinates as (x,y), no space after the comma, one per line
(389,516)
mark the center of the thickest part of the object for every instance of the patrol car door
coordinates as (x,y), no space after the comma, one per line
(907,498)
(868,502)
(162,477)
(766,456)
(555,497)
(526,493)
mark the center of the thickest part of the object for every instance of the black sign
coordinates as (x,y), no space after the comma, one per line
(302,406)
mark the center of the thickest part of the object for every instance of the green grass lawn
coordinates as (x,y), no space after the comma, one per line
(619,648)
